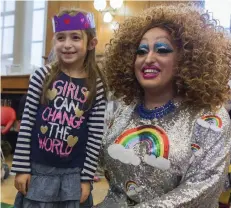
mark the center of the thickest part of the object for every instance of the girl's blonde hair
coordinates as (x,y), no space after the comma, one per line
(90,66)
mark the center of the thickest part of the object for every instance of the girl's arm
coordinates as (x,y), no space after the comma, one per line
(95,133)
(21,160)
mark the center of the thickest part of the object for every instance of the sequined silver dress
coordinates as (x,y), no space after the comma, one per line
(180,160)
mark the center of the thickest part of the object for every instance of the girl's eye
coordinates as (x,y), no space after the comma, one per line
(164,50)
(75,37)
(141,51)
(60,38)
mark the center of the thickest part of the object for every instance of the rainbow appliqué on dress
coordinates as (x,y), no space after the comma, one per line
(154,137)
(213,120)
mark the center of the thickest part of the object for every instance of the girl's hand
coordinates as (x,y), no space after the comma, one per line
(85,191)
(21,182)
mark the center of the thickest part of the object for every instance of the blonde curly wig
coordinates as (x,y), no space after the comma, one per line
(204,62)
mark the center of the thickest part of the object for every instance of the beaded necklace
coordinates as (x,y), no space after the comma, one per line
(156,113)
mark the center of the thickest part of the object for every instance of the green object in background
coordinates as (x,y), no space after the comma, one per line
(3,205)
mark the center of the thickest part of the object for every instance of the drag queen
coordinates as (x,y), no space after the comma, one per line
(168,145)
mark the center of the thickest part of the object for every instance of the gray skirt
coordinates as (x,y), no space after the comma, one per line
(52,187)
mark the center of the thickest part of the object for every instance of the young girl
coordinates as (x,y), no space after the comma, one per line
(60,135)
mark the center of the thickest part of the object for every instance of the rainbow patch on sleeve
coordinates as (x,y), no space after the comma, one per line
(213,120)
(195,147)
(155,138)
(131,185)
(132,191)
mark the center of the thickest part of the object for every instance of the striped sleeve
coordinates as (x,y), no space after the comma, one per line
(21,159)
(95,133)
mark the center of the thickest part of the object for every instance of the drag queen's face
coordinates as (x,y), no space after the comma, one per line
(155,60)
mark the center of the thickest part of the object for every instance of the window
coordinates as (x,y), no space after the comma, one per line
(23,26)
(37,46)
(220,11)
(7,30)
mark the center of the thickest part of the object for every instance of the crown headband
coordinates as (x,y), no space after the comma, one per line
(77,22)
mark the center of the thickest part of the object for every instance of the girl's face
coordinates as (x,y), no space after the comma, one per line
(156,60)
(71,46)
